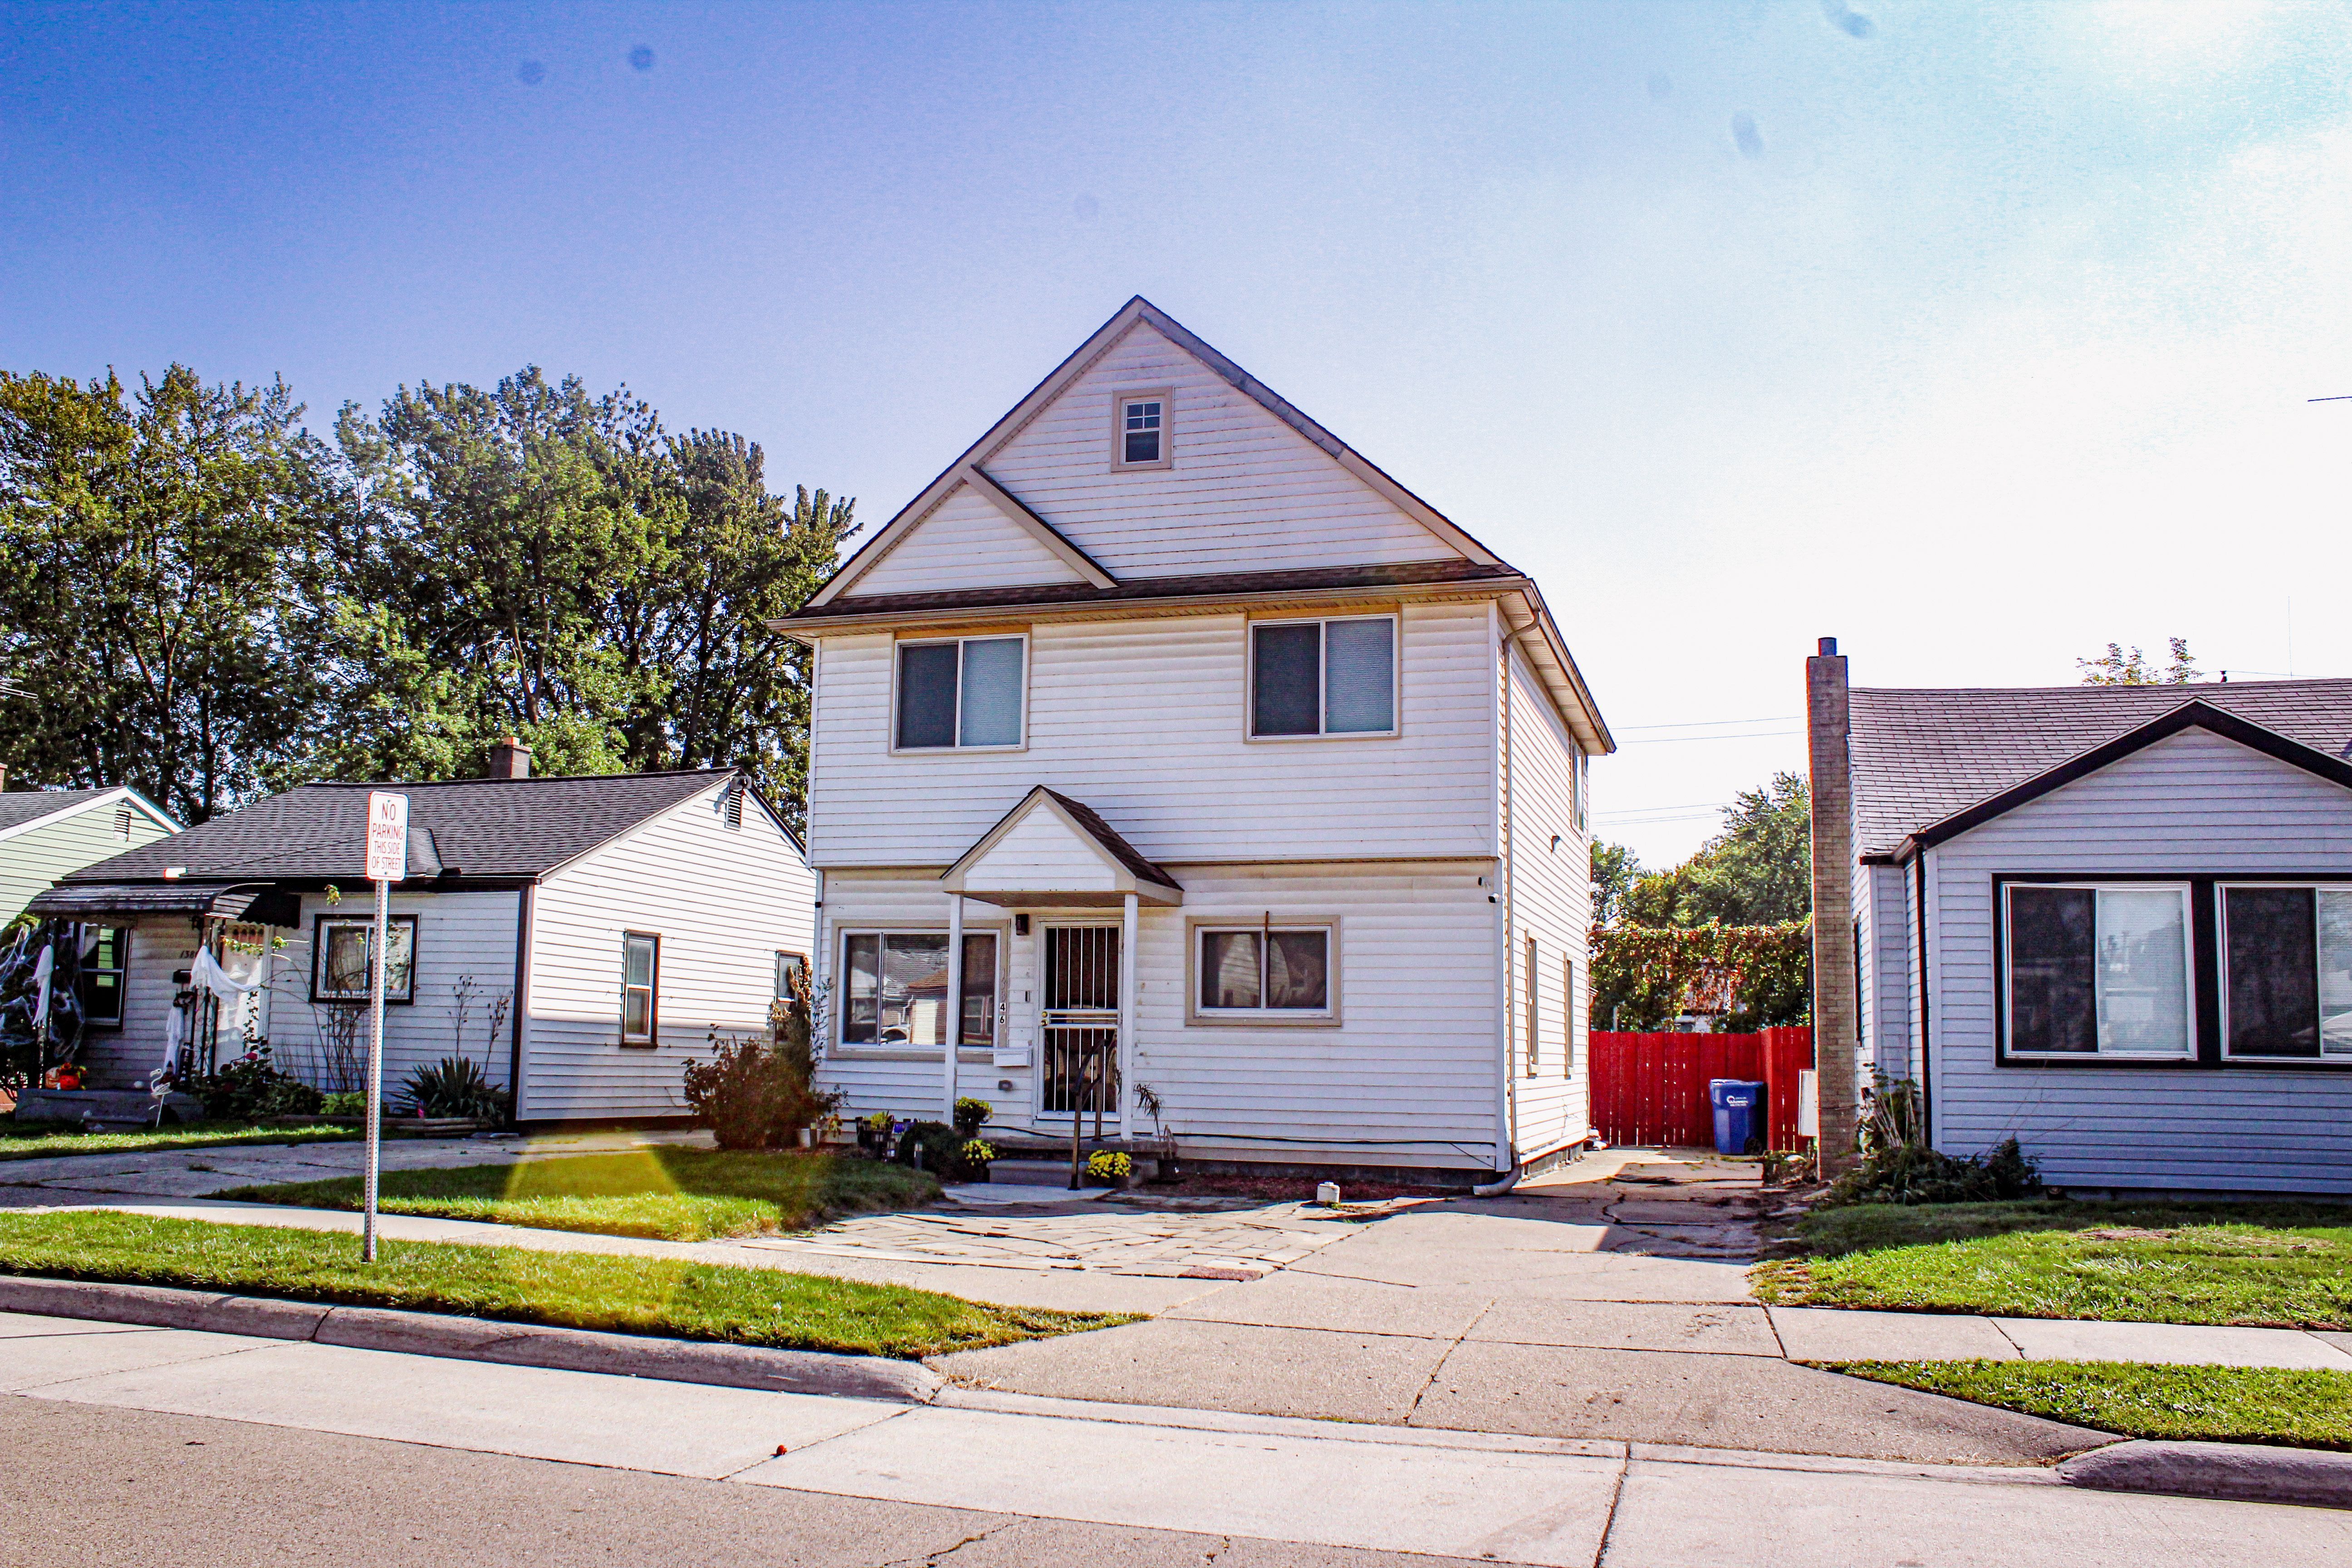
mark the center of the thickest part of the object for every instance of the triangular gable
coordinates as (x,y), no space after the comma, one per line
(108,799)
(979,536)
(1053,850)
(1443,538)
(2192,714)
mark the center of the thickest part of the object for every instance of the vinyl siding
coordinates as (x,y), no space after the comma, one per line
(1244,493)
(723,901)
(31,861)
(1144,718)
(2193,803)
(964,543)
(1550,893)
(1882,928)
(1405,1077)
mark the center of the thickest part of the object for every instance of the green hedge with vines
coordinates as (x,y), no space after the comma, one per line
(1644,976)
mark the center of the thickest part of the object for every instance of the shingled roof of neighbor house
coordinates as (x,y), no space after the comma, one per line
(20,807)
(476,828)
(1922,755)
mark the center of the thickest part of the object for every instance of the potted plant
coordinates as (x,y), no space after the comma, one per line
(971,1115)
(1110,1168)
(975,1156)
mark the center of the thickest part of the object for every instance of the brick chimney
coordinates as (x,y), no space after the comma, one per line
(1836,1006)
(509,759)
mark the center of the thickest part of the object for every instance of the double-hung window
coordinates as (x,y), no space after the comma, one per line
(2097,970)
(105,965)
(960,692)
(1323,678)
(340,958)
(1140,441)
(1263,971)
(2286,972)
(1535,1009)
(640,988)
(977,1010)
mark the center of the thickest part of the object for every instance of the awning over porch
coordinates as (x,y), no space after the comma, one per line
(261,903)
(1051,851)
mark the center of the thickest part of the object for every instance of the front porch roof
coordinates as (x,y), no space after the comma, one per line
(261,903)
(1054,852)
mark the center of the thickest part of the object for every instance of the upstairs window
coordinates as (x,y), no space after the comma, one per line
(1323,678)
(2286,972)
(1141,439)
(962,693)
(2098,970)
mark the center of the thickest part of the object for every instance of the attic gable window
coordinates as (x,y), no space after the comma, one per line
(1323,678)
(960,693)
(1140,440)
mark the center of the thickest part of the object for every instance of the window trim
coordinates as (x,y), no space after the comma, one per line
(1327,1016)
(2221,887)
(1395,618)
(320,920)
(959,639)
(878,1051)
(651,1039)
(1166,397)
(2191,967)
(1534,1054)
(123,987)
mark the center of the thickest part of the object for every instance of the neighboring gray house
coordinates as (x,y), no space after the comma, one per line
(2115,923)
(45,833)
(580,938)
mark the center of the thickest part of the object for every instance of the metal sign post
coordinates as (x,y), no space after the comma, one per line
(387,862)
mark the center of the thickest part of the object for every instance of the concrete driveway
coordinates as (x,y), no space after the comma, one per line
(1610,1301)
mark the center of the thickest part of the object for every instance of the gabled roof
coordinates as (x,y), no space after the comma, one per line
(1131,871)
(23,809)
(496,829)
(1928,764)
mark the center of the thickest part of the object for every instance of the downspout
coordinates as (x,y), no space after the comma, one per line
(523,904)
(1507,1162)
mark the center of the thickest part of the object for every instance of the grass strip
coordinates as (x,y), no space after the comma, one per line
(2202,1404)
(46,1140)
(672,1298)
(661,1193)
(2271,1265)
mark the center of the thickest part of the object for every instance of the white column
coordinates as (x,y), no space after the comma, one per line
(952,1021)
(1126,1022)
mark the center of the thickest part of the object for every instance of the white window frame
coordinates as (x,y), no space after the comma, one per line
(321,923)
(1323,680)
(1119,403)
(651,1037)
(2221,968)
(120,970)
(1532,949)
(1197,930)
(959,747)
(2182,890)
(951,1015)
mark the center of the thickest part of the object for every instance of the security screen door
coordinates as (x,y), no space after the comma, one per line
(1080,1070)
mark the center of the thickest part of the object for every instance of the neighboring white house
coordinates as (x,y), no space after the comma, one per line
(578,937)
(45,833)
(2116,924)
(1164,725)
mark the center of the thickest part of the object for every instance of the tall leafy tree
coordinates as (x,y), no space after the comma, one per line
(2115,667)
(1615,872)
(150,540)
(1757,871)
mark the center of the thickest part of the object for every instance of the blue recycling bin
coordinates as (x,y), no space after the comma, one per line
(1738,1113)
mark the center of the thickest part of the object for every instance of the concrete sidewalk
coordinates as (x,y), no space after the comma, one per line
(1454,1497)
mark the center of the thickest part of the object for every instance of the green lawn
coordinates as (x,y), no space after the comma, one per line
(663,1193)
(569,1290)
(2205,1404)
(2284,1264)
(41,1139)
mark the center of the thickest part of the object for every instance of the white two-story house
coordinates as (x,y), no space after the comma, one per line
(1166,750)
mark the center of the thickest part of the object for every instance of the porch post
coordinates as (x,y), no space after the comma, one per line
(951,1022)
(1127,1021)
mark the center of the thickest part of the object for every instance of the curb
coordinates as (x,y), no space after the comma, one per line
(2238,1473)
(477,1339)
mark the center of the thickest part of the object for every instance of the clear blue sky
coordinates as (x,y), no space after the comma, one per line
(1974,335)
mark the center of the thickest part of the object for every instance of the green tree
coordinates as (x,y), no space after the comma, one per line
(150,545)
(2115,667)
(1758,871)
(1615,871)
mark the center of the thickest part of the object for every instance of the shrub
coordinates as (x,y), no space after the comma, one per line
(453,1087)
(251,1086)
(752,1096)
(1915,1173)
(971,1115)
(351,1103)
(932,1146)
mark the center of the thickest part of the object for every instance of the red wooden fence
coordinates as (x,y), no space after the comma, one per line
(1652,1088)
